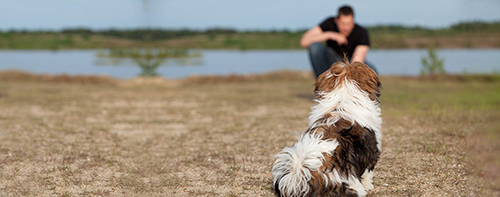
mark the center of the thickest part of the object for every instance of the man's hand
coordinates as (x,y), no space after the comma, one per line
(339,38)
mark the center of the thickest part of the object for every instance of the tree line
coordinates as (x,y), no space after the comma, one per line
(164,34)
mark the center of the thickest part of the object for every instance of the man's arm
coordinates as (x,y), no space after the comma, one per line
(360,53)
(317,35)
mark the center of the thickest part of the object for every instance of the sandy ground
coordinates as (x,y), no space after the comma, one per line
(216,136)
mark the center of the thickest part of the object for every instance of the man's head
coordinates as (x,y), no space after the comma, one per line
(345,20)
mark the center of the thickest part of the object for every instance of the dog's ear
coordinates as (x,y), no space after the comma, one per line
(377,93)
(379,86)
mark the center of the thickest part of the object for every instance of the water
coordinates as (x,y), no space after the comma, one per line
(225,62)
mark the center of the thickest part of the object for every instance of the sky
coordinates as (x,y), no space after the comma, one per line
(237,14)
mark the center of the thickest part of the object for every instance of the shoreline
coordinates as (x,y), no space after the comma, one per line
(243,50)
(488,47)
(13,75)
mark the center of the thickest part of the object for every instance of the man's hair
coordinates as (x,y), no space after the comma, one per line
(346,11)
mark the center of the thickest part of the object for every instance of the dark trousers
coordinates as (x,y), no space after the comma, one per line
(323,57)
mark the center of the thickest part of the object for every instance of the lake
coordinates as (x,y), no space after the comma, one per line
(225,62)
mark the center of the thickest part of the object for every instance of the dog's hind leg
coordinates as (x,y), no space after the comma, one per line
(367,179)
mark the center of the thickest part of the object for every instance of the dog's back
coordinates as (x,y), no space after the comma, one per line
(338,153)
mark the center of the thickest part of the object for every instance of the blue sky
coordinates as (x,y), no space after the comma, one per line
(238,14)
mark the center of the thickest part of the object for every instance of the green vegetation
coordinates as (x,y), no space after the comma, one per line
(432,65)
(461,35)
(147,59)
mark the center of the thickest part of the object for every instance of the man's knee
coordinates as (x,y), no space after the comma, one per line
(316,48)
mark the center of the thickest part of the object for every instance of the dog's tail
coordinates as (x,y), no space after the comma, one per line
(293,166)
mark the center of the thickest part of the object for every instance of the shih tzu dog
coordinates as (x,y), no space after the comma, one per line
(337,154)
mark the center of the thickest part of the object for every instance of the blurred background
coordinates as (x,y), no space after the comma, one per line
(209,90)
(176,39)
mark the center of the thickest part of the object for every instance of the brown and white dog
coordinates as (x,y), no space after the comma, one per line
(337,154)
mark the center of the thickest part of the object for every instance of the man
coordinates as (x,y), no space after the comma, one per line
(342,36)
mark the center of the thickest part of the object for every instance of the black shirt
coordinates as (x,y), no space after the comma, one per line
(358,36)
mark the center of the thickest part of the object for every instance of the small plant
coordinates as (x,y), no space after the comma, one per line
(432,65)
(147,59)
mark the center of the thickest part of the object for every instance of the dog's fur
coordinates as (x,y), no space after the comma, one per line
(337,154)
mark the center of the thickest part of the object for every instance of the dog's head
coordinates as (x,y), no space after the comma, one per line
(366,79)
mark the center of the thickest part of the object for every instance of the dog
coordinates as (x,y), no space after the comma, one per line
(336,156)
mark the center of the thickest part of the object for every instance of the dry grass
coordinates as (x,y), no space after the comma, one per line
(10,76)
(216,136)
